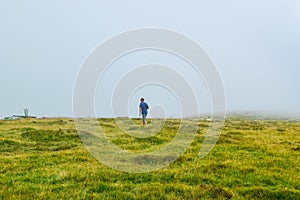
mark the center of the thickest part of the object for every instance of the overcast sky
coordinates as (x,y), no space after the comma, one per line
(255,45)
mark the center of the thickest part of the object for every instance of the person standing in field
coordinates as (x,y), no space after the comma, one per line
(143,110)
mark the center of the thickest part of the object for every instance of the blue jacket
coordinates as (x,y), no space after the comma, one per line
(144,106)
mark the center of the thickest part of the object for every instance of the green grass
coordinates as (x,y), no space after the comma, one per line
(253,159)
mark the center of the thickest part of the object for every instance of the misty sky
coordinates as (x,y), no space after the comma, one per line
(255,45)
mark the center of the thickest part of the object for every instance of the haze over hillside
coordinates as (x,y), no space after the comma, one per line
(254,44)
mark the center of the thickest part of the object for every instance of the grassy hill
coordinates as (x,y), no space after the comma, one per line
(253,159)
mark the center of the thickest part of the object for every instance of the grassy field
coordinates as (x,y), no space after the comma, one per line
(253,159)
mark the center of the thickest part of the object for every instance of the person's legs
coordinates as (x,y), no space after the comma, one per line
(144,119)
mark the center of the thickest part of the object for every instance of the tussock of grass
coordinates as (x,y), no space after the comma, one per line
(253,159)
